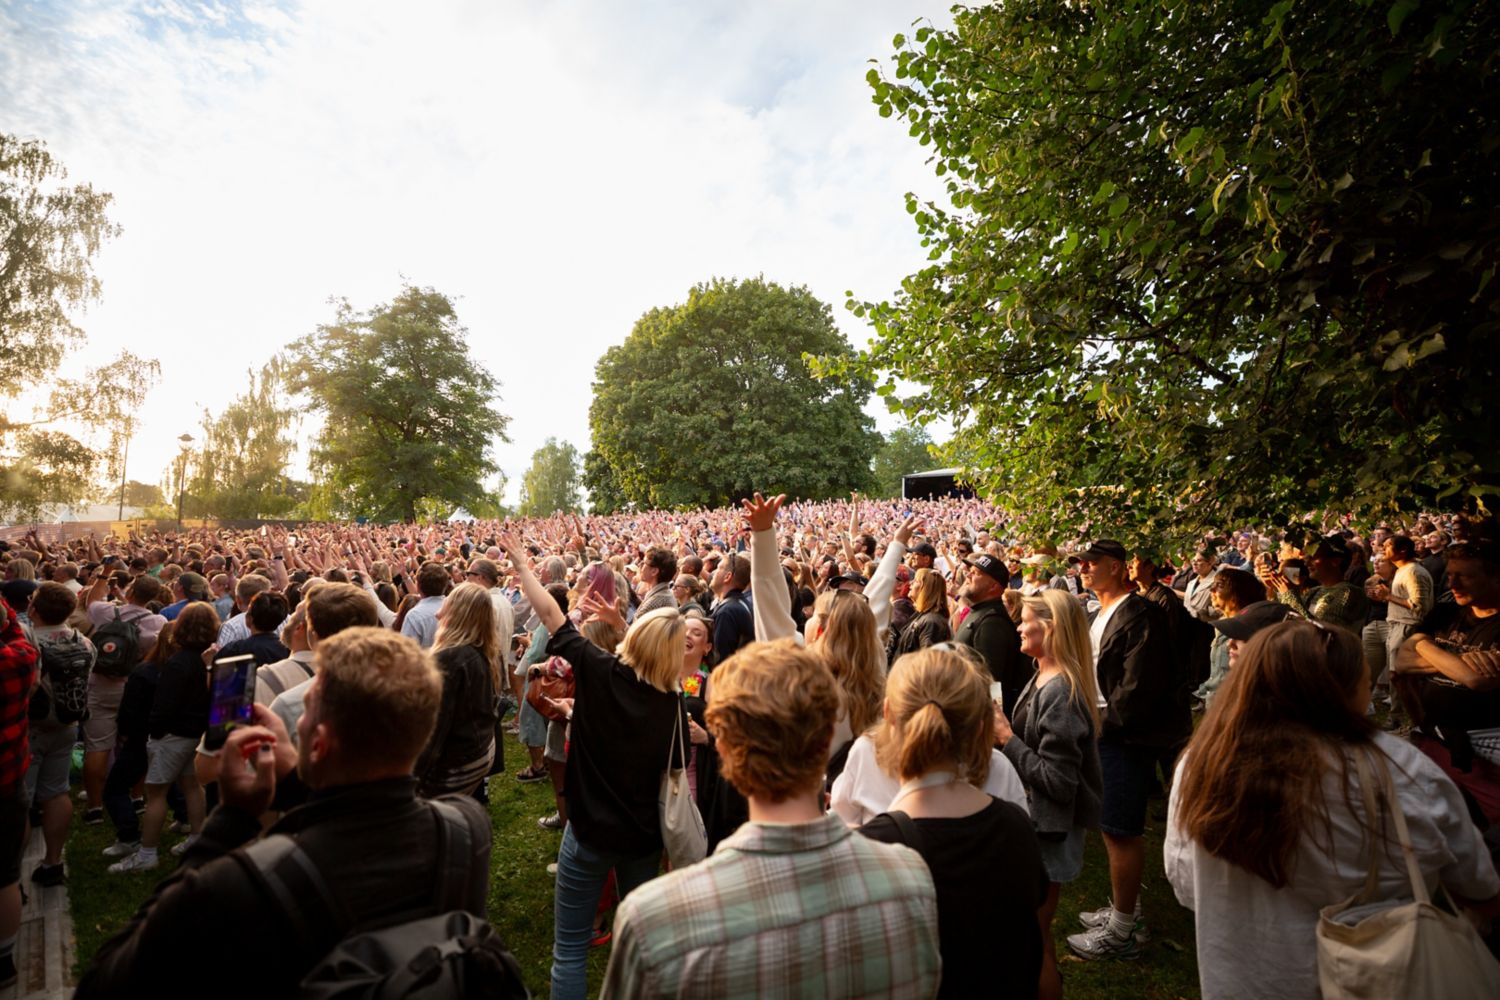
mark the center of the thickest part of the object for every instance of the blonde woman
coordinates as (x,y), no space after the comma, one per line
(929,595)
(467,652)
(625,710)
(1053,743)
(937,738)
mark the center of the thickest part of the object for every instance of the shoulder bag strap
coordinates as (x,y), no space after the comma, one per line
(455,848)
(1413,870)
(908,829)
(1374,826)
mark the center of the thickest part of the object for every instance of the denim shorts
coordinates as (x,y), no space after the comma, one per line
(1129,777)
(169,758)
(1063,859)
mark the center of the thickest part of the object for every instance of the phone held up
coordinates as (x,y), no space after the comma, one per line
(231,692)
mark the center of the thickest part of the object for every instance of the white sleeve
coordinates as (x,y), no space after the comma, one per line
(772,604)
(1004,783)
(842,796)
(882,586)
(1177,851)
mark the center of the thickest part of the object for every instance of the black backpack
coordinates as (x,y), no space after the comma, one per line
(62,692)
(119,645)
(452,954)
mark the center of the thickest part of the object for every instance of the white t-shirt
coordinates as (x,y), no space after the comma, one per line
(1096,639)
(863,791)
(1256,941)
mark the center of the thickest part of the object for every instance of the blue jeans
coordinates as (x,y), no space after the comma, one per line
(581,874)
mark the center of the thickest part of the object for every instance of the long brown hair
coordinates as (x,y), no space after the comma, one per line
(848,644)
(1252,781)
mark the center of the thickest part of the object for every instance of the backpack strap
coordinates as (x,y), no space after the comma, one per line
(307,902)
(455,852)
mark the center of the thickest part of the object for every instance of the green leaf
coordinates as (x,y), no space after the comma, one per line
(1398,14)
(1118,206)
(1069,244)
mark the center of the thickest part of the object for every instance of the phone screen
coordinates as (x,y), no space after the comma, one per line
(231,692)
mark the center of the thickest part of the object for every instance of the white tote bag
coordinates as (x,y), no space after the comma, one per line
(1374,949)
(681,826)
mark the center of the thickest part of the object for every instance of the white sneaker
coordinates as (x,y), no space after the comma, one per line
(137,862)
(180,848)
(552,869)
(121,849)
(1093,919)
(1101,943)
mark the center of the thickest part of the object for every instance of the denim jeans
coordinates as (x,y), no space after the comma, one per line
(581,874)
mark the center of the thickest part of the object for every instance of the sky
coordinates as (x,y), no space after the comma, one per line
(558,168)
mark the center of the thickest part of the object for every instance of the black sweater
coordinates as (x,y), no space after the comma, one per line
(180,707)
(622,734)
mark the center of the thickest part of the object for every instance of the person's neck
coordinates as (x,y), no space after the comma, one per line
(342,777)
(1046,666)
(1483,612)
(805,807)
(1107,598)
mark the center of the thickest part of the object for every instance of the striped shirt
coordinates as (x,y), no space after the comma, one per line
(782,910)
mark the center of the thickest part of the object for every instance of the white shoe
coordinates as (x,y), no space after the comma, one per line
(137,862)
(552,869)
(121,849)
(182,828)
(180,848)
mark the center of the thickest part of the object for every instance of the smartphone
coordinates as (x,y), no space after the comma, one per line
(996,692)
(231,692)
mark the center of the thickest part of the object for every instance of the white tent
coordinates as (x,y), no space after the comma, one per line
(461,516)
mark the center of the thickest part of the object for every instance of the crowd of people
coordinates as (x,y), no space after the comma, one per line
(898,724)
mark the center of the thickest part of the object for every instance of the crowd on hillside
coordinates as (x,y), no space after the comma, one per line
(834,749)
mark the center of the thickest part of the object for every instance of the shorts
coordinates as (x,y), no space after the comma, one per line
(1063,859)
(169,758)
(1129,777)
(51,762)
(13,808)
(557,741)
(104,705)
(533,723)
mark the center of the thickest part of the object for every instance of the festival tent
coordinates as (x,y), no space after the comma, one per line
(934,484)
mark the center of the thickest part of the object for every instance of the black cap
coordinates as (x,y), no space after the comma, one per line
(1333,545)
(1103,547)
(1252,618)
(850,577)
(924,549)
(990,567)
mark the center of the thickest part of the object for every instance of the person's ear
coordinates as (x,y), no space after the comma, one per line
(320,744)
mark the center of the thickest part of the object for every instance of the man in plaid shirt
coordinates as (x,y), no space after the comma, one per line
(17,676)
(793,904)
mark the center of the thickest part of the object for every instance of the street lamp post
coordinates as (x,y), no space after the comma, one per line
(184,442)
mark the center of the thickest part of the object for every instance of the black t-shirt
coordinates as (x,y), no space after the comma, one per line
(622,733)
(1447,705)
(990,882)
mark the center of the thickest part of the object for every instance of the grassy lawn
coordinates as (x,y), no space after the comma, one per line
(520,903)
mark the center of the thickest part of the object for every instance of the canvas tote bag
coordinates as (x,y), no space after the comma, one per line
(1374,949)
(681,827)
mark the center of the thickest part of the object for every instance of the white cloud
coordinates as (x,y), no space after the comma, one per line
(558,167)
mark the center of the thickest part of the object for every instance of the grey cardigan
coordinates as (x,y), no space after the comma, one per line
(1056,753)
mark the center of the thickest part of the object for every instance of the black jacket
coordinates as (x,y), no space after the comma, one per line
(368,842)
(465,728)
(1139,677)
(927,629)
(180,706)
(734,624)
(990,630)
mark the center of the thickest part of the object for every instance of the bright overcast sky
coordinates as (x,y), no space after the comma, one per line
(556,167)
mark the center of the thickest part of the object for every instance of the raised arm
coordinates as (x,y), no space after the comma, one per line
(883,581)
(547,611)
(772,604)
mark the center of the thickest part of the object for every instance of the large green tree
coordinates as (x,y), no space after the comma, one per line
(554,481)
(239,469)
(50,232)
(408,414)
(1205,262)
(712,399)
(906,450)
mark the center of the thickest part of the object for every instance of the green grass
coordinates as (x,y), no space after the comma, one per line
(520,903)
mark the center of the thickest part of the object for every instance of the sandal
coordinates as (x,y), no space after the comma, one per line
(532,774)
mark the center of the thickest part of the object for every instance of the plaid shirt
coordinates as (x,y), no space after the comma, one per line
(17,674)
(799,910)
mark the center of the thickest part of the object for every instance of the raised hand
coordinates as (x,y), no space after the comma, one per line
(596,609)
(908,526)
(760,513)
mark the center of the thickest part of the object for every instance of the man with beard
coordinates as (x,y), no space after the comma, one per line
(990,630)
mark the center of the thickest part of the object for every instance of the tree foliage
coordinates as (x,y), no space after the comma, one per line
(1204,262)
(239,469)
(712,399)
(408,414)
(906,450)
(554,482)
(49,234)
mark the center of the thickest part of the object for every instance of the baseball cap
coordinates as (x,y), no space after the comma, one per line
(850,577)
(990,567)
(194,587)
(924,549)
(1252,618)
(1103,547)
